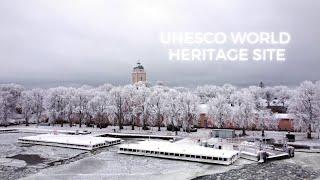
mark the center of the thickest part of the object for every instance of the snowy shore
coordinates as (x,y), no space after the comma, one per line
(271,170)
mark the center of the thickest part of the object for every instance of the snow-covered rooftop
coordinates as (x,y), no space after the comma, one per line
(282,116)
(164,146)
(274,102)
(203,108)
(86,140)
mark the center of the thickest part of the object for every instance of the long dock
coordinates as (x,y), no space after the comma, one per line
(6,130)
(41,131)
(133,135)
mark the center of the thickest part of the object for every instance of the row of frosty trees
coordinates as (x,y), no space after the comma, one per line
(160,105)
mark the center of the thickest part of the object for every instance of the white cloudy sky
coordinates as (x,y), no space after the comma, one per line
(67,42)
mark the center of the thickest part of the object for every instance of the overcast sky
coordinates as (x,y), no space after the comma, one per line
(48,43)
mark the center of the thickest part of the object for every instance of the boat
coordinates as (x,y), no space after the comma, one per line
(84,142)
(186,152)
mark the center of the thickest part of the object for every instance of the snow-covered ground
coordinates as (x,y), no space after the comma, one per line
(201,133)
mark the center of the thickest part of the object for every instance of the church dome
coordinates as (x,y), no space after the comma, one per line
(138,66)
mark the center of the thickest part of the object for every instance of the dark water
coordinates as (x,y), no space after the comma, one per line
(30,159)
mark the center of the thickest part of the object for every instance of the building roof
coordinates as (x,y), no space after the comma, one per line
(70,139)
(278,116)
(203,109)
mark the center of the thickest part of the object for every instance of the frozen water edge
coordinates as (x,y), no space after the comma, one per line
(10,151)
(110,165)
(10,147)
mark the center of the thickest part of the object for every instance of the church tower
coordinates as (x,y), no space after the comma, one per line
(138,74)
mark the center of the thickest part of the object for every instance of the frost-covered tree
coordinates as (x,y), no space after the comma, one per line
(219,110)
(15,91)
(226,91)
(143,93)
(207,92)
(55,104)
(10,95)
(118,103)
(5,106)
(157,102)
(2,118)
(263,114)
(37,96)
(131,103)
(283,94)
(305,105)
(268,95)
(264,119)
(81,99)
(172,110)
(71,103)
(243,108)
(26,103)
(160,105)
(98,106)
(104,88)
(258,94)
(189,104)
(110,113)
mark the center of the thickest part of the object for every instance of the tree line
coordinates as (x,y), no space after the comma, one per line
(227,105)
